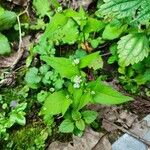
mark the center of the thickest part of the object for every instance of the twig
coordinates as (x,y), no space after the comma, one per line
(106,54)
(100,140)
(20,48)
(128,132)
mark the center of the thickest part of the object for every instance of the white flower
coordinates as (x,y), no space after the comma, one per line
(67,96)
(77,79)
(52,89)
(76,85)
(93,92)
(76,61)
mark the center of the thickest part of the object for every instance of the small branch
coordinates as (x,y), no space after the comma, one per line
(20,49)
(128,132)
(106,54)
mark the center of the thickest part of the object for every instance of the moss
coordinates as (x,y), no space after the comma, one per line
(31,137)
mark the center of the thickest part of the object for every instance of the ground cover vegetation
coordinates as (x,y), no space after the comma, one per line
(72,53)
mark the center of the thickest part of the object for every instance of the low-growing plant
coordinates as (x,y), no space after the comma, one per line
(68,89)
(77,93)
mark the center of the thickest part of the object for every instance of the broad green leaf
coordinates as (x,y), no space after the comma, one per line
(56,103)
(93,25)
(80,124)
(89,116)
(139,10)
(120,8)
(112,32)
(4,45)
(18,118)
(73,14)
(132,48)
(32,78)
(63,34)
(57,30)
(96,63)
(7,19)
(77,94)
(88,60)
(67,126)
(57,22)
(42,7)
(62,65)
(84,100)
(79,17)
(76,115)
(105,94)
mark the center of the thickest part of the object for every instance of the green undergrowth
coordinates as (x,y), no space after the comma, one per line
(67,66)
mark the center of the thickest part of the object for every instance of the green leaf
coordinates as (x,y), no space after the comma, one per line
(44,69)
(76,115)
(67,126)
(62,65)
(105,94)
(18,118)
(139,10)
(143,78)
(112,32)
(93,25)
(42,7)
(88,60)
(56,103)
(79,17)
(89,116)
(77,94)
(7,19)
(17,114)
(120,8)
(42,96)
(55,3)
(68,37)
(97,63)
(32,78)
(80,124)
(84,100)
(4,45)
(132,48)
(57,30)
(57,22)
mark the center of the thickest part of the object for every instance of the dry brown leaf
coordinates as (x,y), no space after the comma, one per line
(84,3)
(108,127)
(20,2)
(57,145)
(86,47)
(103,144)
(8,61)
(140,128)
(91,140)
(118,115)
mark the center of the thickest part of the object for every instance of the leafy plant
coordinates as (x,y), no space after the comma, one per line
(7,20)
(71,101)
(138,9)
(4,45)
(132,49)
(134,13)
(17,115)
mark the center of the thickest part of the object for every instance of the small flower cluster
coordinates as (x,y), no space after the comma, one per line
(77,80)
(76,61)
